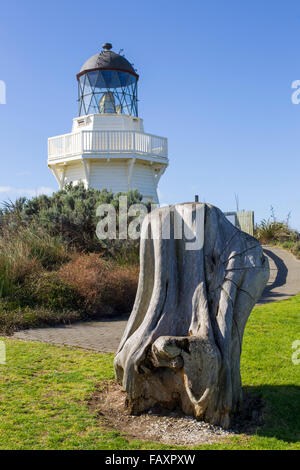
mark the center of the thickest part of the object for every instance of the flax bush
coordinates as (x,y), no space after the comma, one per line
(276,232)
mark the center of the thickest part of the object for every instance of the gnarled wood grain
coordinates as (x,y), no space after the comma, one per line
(183,341)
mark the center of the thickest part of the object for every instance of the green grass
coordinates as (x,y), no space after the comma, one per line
(44,390)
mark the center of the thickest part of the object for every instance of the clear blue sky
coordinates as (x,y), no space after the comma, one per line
(215,78)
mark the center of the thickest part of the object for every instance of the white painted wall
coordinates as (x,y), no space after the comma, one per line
(111,175)
(74,172)
(143,180)
(108,122)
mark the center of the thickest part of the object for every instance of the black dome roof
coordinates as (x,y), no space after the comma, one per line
(107,60)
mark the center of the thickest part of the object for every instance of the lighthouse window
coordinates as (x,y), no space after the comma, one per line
(107,91)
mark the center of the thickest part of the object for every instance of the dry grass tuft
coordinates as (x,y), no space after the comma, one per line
(103,286)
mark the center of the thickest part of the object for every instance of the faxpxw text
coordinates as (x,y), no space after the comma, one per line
(152,459)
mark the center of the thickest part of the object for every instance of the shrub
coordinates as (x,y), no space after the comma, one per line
(272,230)
(68,215)
(46,289)
(53,267)
(15,265)
(279,233)
(103,286)
(13,317)
(23,252)
(295,249)
(50,252)
(275,231)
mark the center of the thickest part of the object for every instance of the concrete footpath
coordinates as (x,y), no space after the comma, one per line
(104,335)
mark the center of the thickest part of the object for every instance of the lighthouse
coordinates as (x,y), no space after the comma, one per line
(108,148)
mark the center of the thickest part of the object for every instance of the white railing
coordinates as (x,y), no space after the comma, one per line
(106,142)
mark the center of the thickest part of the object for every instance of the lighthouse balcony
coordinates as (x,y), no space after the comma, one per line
(95,143)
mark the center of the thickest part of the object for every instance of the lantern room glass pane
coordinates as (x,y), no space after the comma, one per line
(107,91)
(93,76)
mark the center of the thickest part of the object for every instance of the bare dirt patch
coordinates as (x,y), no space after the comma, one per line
(161,425)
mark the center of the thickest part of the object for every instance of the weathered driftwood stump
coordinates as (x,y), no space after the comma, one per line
(183,341)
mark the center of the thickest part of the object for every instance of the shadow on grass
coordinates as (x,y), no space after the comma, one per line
(281,412)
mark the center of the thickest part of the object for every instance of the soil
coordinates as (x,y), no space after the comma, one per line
(169,427)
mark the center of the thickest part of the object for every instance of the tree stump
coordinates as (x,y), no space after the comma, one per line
(199,279)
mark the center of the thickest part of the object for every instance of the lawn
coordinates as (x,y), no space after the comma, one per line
(44,390)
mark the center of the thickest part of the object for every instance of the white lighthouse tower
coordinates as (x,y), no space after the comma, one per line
(108,147)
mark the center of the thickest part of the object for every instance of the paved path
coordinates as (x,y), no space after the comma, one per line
(284,275)
(105,335)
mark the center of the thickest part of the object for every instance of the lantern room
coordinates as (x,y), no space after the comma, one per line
(107,83)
